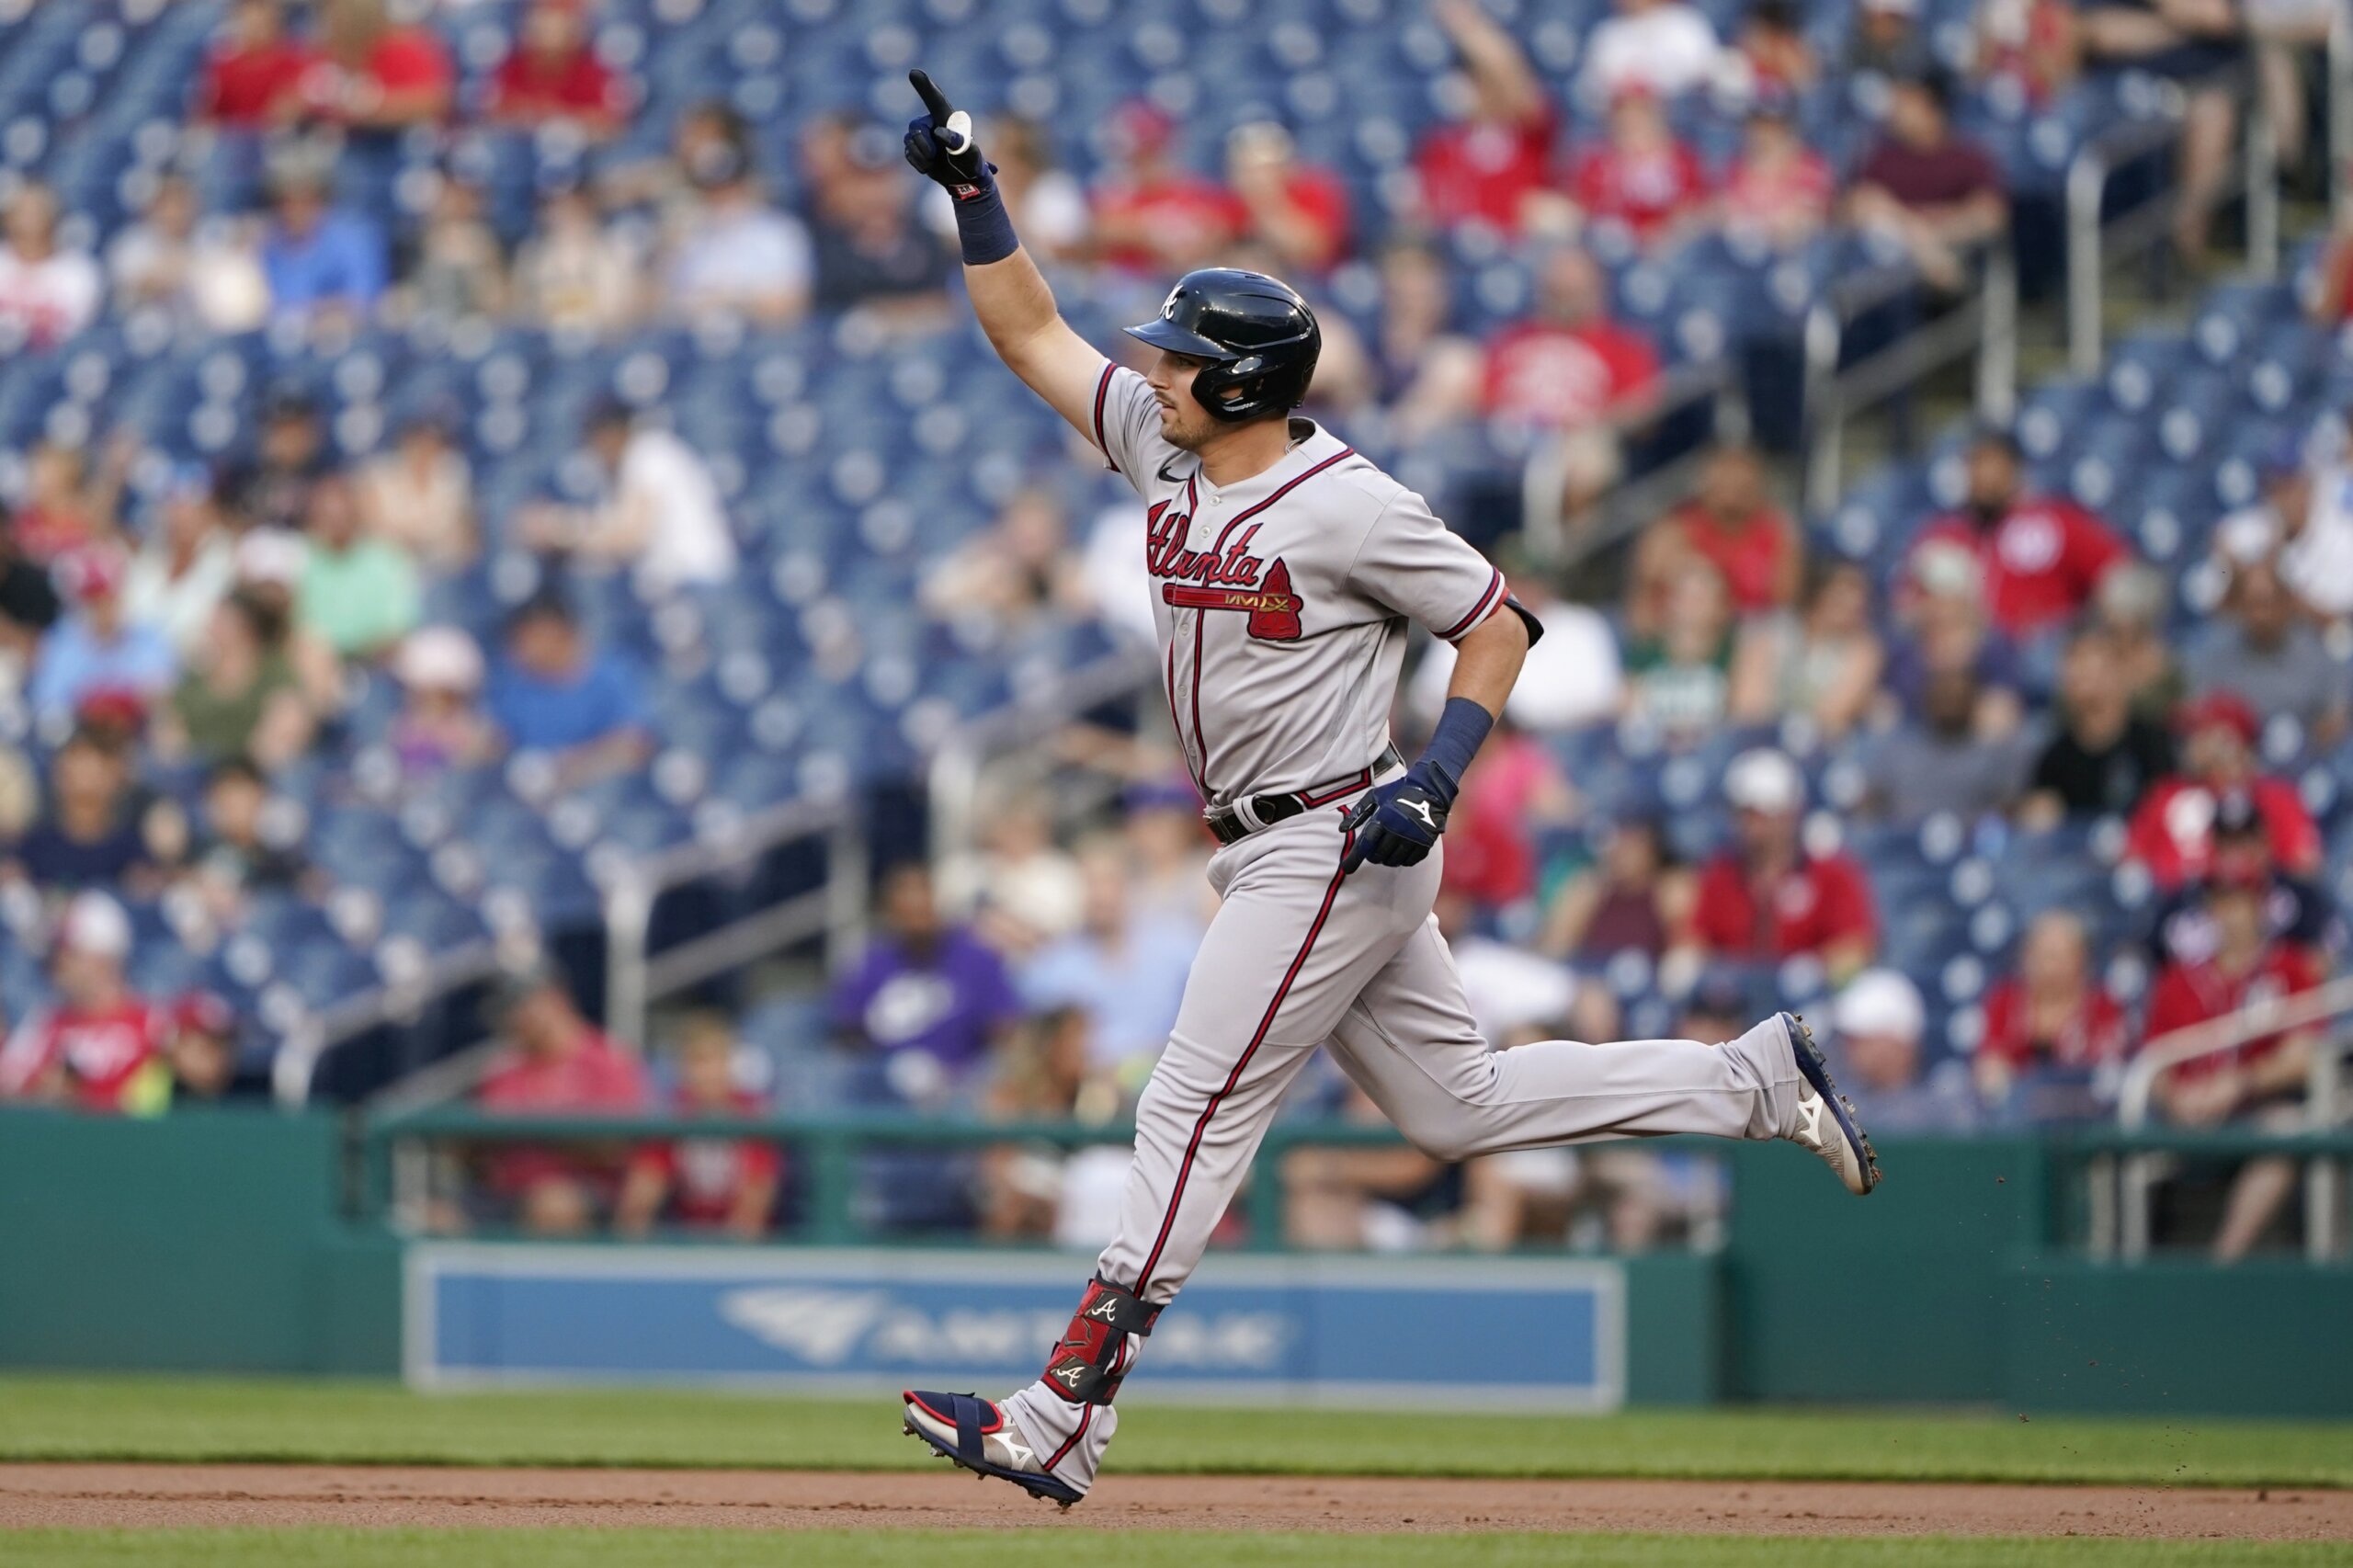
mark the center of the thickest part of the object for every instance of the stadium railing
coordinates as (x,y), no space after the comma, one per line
(2123,1188)
(2097,241)
(1985,326)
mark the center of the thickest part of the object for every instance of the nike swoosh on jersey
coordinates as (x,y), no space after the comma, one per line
(1166,477)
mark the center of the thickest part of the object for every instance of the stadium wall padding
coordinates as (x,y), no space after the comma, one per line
(212,1240)
(205,1240)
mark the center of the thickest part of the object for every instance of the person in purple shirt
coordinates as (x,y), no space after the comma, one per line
(925,985)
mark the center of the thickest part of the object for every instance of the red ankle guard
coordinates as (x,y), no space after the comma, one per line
(1089,1363)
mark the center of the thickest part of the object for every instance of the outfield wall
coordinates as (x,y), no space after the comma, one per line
(215,1240)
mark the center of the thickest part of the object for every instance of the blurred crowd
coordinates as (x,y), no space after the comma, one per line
(178,639)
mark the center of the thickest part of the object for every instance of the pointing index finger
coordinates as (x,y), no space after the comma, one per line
(933,99)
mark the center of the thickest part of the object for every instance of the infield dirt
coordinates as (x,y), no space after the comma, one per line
(159,1497)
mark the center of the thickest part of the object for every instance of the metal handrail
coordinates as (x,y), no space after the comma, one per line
(299,1055)
(2340,111)
(2136,1175)
(1987,326)
(953,783)
(635,977)
(1545,475)
(2091,245)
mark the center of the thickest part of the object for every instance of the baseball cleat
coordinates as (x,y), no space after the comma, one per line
(968,1430)
(1826,1122)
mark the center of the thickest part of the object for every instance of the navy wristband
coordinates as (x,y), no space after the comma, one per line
(1462,730)
(983,228)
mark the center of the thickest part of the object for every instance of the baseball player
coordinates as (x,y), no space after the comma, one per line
(1284,569)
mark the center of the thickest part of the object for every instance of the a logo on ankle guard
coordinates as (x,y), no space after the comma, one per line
(1070,1377)
(1103,1311)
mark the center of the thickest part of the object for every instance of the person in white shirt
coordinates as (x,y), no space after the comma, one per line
(661,513)
(738,254)
(1665,46)
(1574,676)
(46,294)
(2304,524)
(187,565)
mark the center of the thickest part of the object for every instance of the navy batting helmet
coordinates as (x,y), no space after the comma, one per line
(1260,337)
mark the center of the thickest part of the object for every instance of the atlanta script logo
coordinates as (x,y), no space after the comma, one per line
(1227,579)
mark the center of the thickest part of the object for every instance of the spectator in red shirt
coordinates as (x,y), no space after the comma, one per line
(372,75)
(1152,215)
(1296,210)
(102,1047)
(1731,523)
(1768,897)
(552,73)
(1937,194)
(556,1064)
(1571,371)
(1779,190)
(1514,790)
(2052,1014)
(1642,177)
(722,1184)
(2172,831)
(2042,556)
(1493,164)
(2261,1082)
(253,74)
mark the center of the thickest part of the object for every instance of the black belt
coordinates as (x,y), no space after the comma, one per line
(1227,823)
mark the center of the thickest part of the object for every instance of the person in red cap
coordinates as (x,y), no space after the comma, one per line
(1152,214)
(2262,1081)
(1642,176)
(2173,831)
(96,647)
(203,1047)
(102,1047)
(2043,555)
(722,1184)
(1488,166)
(552,73)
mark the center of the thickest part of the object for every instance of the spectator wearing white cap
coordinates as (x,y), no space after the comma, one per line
(1767,896)
(1876,1022)
(101,1048)
(440,723)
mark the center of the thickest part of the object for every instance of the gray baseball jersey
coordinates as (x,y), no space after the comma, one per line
(1281,604)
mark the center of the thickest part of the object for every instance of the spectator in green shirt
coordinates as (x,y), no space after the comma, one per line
(359,593)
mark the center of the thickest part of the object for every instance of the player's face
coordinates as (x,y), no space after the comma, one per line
(1184,423)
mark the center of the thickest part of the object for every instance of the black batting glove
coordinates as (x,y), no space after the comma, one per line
(940,144)
(1395,825)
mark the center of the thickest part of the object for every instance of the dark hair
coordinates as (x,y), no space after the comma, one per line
(1935,82)
(1996,436)
(547,604)
(240,768)
(268,621)
(1779,14)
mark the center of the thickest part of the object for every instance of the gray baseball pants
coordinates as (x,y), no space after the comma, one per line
(1298,956)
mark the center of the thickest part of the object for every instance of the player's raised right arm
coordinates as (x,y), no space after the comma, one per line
(1009,294)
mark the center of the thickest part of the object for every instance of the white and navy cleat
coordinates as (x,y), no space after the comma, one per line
(1826,1122)
(968,1430)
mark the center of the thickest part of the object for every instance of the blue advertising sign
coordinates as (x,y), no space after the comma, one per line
(1434,1332)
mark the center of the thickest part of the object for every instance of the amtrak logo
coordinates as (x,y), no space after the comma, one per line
(818,1326)
(830,1327)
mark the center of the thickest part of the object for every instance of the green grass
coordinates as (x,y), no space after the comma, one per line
(221,1420)
(928,1548)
